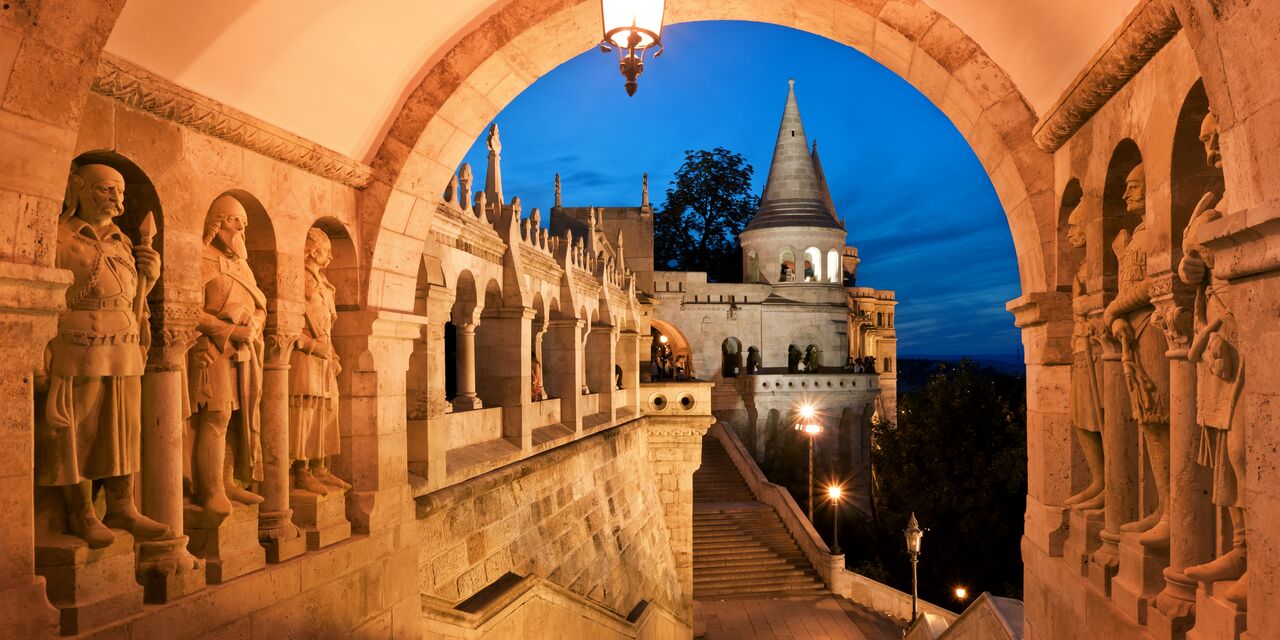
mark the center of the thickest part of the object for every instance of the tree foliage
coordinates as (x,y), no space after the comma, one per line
(707,204)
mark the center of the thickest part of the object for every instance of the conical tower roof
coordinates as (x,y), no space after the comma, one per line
(795,195)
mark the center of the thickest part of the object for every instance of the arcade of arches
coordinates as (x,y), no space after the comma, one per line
(274,443)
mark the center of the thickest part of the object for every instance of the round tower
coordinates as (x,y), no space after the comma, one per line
(795,236)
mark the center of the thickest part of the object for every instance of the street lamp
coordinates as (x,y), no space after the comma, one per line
(914,533)
(833,493)
(632,27)
(810,426)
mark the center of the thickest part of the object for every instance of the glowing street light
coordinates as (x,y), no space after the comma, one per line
(914,535)
(810,426)
(833,494)
(962,594)
(632,27)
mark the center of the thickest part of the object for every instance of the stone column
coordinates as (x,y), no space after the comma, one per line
(1190,512)
(628,356)
(601,343)
(467,399)
(562,370)
(431,444)
(166,569)
(276,530)
(1120,450)
(507,355)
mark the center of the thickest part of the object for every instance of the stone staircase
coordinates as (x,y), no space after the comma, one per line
(741,549)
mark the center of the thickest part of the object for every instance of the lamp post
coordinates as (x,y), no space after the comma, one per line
(632,27)
(914,533)
(810,426)
(833,493)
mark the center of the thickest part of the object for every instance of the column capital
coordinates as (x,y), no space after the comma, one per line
(279,349)
(1038,308)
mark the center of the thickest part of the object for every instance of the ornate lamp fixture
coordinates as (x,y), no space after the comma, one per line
(632,27)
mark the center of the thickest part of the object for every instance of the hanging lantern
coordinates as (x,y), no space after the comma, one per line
(632,27)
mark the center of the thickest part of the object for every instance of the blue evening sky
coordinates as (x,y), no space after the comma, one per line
(918,204)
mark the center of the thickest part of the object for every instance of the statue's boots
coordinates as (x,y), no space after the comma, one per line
(303,480)
(1156,538)
(209,460)
(1229,566)
(1096,502)
(234,491)
(1239,592)
(123,514)
(81,519)
(1143,524)
(323,474)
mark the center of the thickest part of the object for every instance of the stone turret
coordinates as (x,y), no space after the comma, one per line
(795,235)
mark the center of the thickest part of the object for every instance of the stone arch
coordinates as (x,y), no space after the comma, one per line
(812,270)
(1115,217)
(753,267)
(260,240)
(1190,174)
(1068,255)
(833,266)
(462,90)
(787,264)
(730,357)
(344,271)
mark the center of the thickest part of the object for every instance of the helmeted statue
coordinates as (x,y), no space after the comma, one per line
(225,367)
(1084,400)
(1220,369)
(313,376)
(1142,356)
(88,419)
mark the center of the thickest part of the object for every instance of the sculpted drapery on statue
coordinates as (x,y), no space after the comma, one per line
(1142,355)
(1084,402)
(313,377)
(225,366)
(1220,369)
(89,424)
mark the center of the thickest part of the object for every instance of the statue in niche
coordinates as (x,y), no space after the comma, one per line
(1219,379)
(225,367)
(313,376)
(1084,400)
(617,377)
(812,359)
(88,413)
(753,360)
(794,356)
(537,391)
(1142,349)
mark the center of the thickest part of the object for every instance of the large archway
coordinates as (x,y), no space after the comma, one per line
(511,49)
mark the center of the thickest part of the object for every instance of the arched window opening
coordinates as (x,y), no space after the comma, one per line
(731,357)
(753,267)
(812,265)
(787,265)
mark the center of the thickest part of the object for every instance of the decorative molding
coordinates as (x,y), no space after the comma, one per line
(141,89)
(1150,26)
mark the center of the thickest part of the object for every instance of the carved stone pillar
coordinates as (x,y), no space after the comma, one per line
(1120,451)
(1190,512)
(629,358)
(507,354)
(600,354)
(562,370)
(166,570)
(276,531)
(467,399)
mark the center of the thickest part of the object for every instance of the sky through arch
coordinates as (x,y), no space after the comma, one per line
(918,204)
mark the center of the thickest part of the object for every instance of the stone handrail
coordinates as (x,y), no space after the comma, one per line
(856,587)
(500,609)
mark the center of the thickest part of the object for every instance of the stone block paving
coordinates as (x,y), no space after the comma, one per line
(794,618)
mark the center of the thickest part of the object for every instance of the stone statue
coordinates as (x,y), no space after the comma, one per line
(1084,400)
(812,359)
(88,419)
(753,360)
(537,391)
(617,376)
(313,376)
(1142,349)
(225,367)
(794,356)
(1220,369)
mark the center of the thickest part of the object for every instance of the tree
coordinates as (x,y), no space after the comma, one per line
(707,205)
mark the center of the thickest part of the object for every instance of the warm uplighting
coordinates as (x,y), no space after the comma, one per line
(662,339)
(632,27)
(962,594)
(833,492)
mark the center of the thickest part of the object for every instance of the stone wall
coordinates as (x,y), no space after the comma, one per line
(586,516)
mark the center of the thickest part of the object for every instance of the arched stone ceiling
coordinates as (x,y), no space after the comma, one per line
(336,72)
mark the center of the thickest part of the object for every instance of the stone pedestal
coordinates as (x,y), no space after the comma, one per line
(1082,538)
(230,549)
(1139,578)
(279,536)
(90,587)
(1216,618)
(322,519)
(167,571)
(1174,612)
(1104,563)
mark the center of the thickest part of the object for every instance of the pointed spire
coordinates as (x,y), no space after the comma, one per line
(793,195)
(822,183)
(644,194)
(558,190)
(493,179)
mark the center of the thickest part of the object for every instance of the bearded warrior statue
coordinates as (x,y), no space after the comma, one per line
(1142,355)
(225,367)
(1219,378)
(88,417)
(313,377)
(1084,403)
